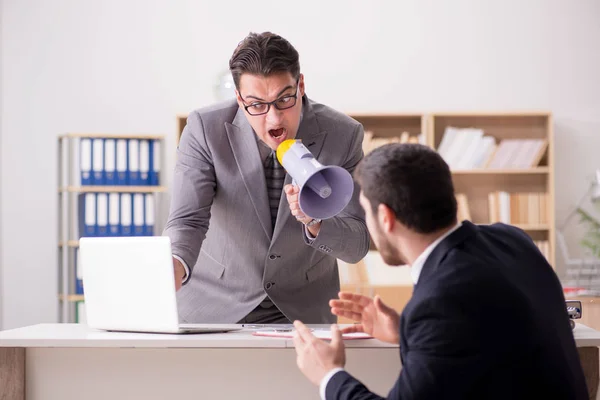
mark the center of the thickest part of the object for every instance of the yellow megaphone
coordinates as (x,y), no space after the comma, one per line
(324,190)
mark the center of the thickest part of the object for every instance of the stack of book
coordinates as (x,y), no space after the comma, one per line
(469,148)
(518,208)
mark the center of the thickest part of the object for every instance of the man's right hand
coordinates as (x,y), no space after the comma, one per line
(179,273)
(373,316)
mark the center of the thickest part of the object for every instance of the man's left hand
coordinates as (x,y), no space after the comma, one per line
(291,192)
(316,357)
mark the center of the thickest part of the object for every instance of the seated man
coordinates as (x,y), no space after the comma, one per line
(487,318)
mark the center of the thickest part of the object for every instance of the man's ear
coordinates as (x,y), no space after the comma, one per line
(301,85)
(387,217)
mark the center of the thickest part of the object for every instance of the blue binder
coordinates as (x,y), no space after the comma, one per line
(133,162)
(138,214)
(121,163)
(110,162)
(87,214)
(114,219)
(102,214)
(149,215)
(97,161)
(144,162)
(85,161)
(154,162)
(126,215)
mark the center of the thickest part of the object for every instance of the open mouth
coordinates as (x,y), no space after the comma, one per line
(277,134)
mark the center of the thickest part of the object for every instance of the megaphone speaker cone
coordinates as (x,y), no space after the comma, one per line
(341,188)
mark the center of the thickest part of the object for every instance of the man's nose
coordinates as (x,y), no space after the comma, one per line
(274,115)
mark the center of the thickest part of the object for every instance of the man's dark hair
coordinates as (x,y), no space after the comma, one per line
(414,181)
(264,54)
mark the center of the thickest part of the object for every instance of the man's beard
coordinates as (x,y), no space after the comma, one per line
(389,254)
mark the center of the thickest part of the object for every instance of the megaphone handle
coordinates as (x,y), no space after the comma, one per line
(294,183)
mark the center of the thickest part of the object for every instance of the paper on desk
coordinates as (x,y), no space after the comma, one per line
(320,333)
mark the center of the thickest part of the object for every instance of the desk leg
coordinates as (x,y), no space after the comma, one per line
(12,373)
(591,369)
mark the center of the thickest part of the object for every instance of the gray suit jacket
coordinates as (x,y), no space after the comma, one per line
(220,223)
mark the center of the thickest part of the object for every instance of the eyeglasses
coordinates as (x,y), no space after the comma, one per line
(282,103)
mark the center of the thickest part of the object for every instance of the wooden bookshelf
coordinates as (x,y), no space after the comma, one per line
(71,188)
(477,184)
(474,183)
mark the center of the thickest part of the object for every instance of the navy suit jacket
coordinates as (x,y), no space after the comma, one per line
(487,320)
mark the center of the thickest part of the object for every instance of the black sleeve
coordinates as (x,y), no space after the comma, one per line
(445,356)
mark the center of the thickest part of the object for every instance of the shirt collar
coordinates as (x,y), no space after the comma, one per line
(417,265)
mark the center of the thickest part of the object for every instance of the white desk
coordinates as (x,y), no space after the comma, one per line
(70,361)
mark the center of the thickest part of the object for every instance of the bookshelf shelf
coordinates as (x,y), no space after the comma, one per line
(70,243)
(71,297)
(495,114)
(490,171)
(147,136)
(114,189)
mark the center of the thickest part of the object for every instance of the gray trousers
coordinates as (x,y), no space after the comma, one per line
(265,313)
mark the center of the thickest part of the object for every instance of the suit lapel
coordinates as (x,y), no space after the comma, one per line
(439,253)
(313,139)
(245,150)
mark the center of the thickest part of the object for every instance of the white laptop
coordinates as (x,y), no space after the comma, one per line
(129,285)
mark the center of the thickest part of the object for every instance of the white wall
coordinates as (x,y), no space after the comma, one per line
(131,66)
(1,98)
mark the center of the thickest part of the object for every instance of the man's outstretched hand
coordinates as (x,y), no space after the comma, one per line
(374,317)
(314,356)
